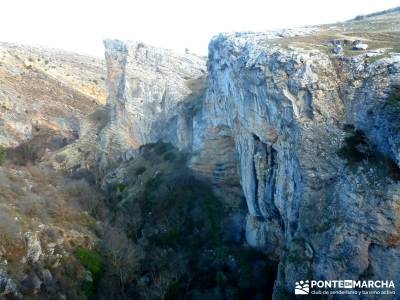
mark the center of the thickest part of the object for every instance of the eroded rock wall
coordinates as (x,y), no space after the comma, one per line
(148,88)
(286,110)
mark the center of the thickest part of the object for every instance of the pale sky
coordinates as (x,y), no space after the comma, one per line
(81,25)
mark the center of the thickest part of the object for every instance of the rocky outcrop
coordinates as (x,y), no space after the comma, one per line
(149,88)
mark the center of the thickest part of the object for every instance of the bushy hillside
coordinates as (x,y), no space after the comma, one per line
(188,245)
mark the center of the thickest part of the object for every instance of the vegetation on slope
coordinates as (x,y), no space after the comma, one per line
(175,225)
(93,262)
(3,154)
(40,203)
(158,233)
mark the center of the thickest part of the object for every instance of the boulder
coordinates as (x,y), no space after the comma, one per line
(359,45)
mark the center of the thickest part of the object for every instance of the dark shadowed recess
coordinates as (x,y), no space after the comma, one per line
(187,243)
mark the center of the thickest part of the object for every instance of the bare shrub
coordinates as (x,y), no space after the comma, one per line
(32,206)
(10,230)
(122,257)
(80,194)
(39,175)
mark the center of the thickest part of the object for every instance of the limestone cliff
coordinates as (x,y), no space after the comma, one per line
(288,111)
(148,88)
(289,106)
(306,118)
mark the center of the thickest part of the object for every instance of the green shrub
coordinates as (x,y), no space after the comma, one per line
(93,262)
(3,154)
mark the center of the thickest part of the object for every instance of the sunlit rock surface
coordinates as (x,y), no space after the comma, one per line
(148,89)
(288,110)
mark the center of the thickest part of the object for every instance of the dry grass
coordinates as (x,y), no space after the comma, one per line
(39,200)
(377,31)
(10,230)
(38,195)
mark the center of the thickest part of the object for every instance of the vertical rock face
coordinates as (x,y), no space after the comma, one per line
(263,94)
(148,89)
(312,135)
(287,110)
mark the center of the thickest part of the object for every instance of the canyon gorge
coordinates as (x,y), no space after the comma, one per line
(273,160)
